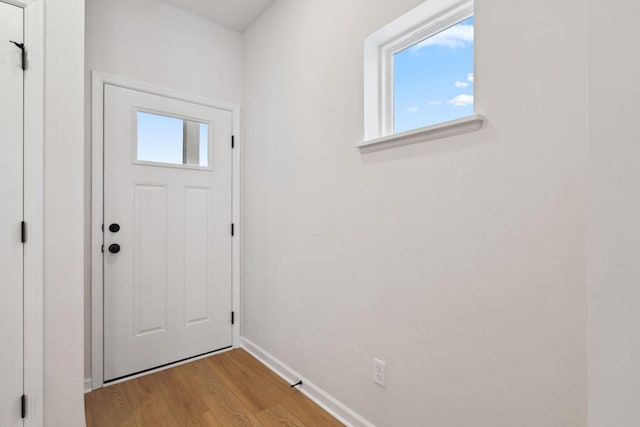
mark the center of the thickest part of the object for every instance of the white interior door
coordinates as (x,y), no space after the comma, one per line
(167,230)
(11,214)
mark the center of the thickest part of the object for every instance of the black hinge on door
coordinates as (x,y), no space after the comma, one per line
(23,232)
(23,404)
(233,229)
(233,141)
(24,53)
(233,318)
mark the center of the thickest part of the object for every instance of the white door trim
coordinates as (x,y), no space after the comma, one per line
(33,209)
(97,207)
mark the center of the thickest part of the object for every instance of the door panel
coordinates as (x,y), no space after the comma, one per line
(11,214)
(150,259)
(197,250)
(167,292)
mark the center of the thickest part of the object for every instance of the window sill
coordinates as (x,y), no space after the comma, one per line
(441,130)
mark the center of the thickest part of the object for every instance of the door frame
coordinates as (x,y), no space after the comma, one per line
(99,80)
(33,184)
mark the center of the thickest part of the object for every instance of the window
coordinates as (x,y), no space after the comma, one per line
(433,79)
(419,76)
(171,140)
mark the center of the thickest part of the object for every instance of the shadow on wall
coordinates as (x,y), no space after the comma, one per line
(487,135)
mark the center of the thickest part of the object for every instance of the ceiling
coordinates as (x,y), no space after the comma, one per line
(235,14)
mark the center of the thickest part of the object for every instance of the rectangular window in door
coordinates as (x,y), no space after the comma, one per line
(172,141)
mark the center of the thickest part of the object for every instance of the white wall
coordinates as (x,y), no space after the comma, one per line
(614,376)
(63,213)
(156,43)
(461,262)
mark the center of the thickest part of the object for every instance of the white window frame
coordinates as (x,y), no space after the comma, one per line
(425,21)
(134,148)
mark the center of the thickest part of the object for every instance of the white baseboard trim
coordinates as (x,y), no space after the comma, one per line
(327,402)
(87,385)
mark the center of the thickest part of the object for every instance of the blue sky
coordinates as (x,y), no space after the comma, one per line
(160,139)
(433,79)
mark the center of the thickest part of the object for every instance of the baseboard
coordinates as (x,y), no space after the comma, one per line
(327,402)
(87,385)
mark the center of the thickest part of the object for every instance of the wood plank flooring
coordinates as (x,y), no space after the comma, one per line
(229,389)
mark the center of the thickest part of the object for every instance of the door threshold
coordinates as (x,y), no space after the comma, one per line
(165,366)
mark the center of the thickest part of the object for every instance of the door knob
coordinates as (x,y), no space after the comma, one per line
(114,248)
(114,228)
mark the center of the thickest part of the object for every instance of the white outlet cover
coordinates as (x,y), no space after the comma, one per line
(379,372)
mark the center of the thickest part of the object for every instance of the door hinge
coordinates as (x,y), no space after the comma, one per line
(24,53)
(233,229)
(23,232)
(23,405)
(233,141)
(233,318)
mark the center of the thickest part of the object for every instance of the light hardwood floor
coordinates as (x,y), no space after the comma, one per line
(230,389)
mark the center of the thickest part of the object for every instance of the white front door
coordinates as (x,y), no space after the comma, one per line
(11,214)
(167,230)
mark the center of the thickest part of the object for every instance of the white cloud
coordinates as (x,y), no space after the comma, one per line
(461,100)
(457,36)
(412,110)
(438,102)
(470,77)
(461,85)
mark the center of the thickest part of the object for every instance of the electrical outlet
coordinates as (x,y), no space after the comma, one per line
(379,372)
